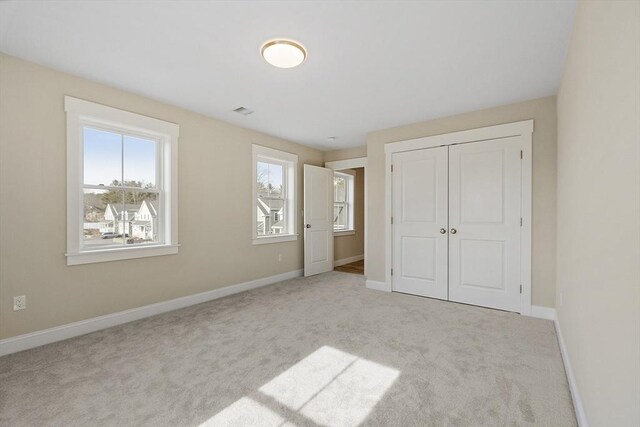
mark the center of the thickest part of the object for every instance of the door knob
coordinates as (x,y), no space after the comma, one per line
(454,231)
(443,231)
(308,226)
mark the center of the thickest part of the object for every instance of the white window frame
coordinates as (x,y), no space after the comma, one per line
(350,178)
(82,113)
(290,165)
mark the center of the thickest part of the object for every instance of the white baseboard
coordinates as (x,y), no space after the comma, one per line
(378,286)
(70,330)
(349,260)
(550,314)
(581,416)
(543,312)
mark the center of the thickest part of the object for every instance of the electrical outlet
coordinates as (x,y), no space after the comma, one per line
(279,257)
(19,302)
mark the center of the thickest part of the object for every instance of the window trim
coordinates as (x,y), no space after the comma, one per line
(350,177)
(291,162)
(81,113)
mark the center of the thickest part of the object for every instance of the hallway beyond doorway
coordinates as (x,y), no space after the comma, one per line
(353,268)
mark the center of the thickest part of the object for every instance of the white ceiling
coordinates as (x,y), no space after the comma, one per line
(370,65)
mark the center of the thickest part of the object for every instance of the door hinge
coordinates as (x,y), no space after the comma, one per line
(520,221)
(392,271)
(520,153)
(392,220)
(521,288)
(392,167)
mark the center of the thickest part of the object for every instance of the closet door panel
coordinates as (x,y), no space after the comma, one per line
(419,194)
(484,218)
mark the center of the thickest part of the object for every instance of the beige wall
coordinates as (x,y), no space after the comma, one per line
(543,111)
(353,245)
(215,207)
(598,281)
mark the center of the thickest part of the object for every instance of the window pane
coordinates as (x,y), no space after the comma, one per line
(139,162)
(340,216)
(116,218)
(271,203)
(269,177)
(262,177)
(339,189)
(102,157)
(100,211)
(275,180)
(270,216)
(271,200)
(141,222)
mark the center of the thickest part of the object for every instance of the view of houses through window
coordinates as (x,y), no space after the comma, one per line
(120,196)
(271,198)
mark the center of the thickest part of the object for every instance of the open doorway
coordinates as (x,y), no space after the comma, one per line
(349,215)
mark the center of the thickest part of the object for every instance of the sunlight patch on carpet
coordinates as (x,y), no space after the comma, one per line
(298,384)
(329,387)
(245,412)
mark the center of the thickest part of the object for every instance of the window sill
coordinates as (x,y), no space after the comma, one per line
(344,233)
(106,255)
(274,239)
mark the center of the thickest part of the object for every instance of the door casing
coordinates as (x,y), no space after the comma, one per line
(520,133)
(357,162)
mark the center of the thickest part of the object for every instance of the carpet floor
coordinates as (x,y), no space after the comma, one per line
(320,351)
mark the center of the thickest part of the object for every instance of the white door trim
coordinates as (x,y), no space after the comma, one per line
(359,162)
(524,131)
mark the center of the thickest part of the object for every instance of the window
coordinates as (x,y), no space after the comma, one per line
(121,184)
(343,189)
(274,205)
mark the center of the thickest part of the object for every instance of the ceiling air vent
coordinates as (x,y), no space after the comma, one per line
(244,111)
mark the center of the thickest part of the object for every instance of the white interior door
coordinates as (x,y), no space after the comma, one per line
(318,220)
(420,222)
(484,223)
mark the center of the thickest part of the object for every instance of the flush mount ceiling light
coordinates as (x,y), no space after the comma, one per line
(283,53)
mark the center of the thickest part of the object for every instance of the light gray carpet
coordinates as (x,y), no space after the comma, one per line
(318,351)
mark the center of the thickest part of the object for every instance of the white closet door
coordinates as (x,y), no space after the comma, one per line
(484,223)
(420,222)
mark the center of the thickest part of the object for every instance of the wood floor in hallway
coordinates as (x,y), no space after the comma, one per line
(353,268)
